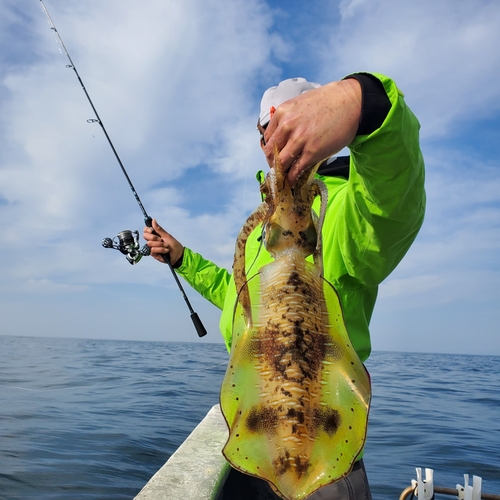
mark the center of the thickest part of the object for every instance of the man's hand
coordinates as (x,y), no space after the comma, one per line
(164,243)
(313,126)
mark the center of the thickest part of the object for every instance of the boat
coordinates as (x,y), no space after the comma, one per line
(198,471)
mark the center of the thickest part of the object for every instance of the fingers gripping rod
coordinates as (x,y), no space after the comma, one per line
(200,329)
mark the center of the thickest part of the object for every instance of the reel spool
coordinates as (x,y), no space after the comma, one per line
(127,242)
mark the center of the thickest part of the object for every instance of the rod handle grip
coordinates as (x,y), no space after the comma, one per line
(200,329)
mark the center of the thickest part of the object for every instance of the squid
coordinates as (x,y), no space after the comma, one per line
(295,395)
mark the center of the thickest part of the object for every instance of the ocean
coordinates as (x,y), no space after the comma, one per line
(95,419)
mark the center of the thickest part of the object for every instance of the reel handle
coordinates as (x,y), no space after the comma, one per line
(200,329)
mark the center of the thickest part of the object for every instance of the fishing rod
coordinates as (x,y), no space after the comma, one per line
(127,242)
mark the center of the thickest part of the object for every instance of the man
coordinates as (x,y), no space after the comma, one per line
(376,204)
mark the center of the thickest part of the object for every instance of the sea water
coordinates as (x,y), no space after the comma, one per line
(95,419)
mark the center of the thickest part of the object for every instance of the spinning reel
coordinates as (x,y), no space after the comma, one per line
(127,242)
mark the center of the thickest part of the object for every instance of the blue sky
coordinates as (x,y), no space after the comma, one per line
(177,85)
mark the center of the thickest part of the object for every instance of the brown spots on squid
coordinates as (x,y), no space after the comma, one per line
(302,240)
(262,420)
(286,393)
(301,466)
(301,211)
(284,462)
(294,280)
(296,415)
(299,285)
(301,345)
(307,239)
(327,419)
(265,420)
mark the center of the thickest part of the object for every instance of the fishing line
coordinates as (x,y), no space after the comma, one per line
(127,244)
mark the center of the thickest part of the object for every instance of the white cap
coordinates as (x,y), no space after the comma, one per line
(286,90)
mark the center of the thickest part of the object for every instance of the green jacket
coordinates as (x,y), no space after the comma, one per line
(370,223)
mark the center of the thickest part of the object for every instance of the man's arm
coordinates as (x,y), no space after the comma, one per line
(203,275)
(208,279)
(383,205)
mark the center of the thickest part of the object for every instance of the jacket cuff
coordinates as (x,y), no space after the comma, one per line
(375,104)
(179,261)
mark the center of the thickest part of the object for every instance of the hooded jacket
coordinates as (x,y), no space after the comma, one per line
(372,218)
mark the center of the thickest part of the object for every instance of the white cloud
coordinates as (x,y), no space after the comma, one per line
(177,85)
(46,286)
(440,54)
(172,83)
(444,296)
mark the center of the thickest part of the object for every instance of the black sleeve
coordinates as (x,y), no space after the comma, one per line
(335,167)
(375,104)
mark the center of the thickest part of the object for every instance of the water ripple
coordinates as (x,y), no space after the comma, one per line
(94,419)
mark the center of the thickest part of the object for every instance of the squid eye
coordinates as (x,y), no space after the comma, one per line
(272,235)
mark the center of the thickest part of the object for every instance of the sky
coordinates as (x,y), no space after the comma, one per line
(177,86)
